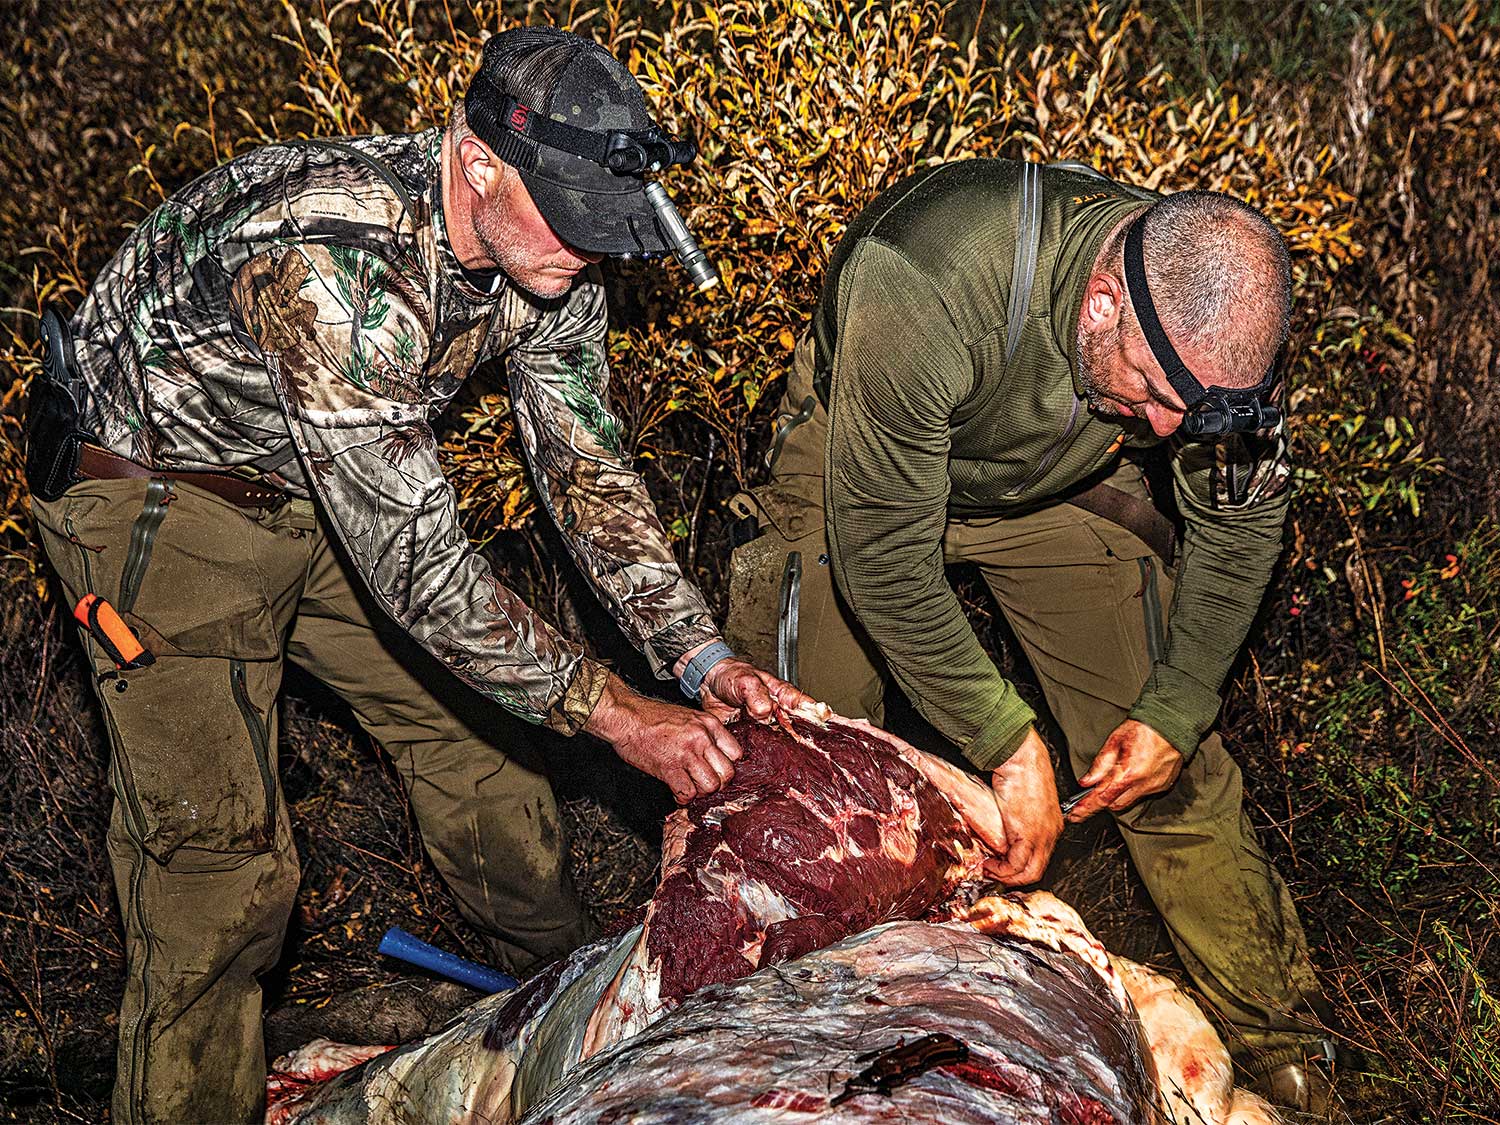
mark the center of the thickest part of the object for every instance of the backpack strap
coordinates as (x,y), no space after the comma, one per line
(1023,266)
(1029,240)
(274,461)
(1078,166)
(375,165)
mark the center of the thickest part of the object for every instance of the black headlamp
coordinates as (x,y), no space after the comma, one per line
(585,196)
(623,152)
(1212,412)
(651,151)
(504,122)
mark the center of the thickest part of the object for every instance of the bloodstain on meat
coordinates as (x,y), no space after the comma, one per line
(522,1006)
(1008,1078)
(1078,1109)
(793,1101)
(998,1076)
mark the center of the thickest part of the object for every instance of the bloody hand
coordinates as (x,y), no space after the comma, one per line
(1134,763)
(688,750)
(734,686)
(1026,792)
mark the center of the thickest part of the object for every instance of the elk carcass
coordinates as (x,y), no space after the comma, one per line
(815,946)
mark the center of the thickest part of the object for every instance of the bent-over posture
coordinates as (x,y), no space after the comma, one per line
(977,387)
(258,481)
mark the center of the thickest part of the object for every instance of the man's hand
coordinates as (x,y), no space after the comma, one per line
(689,751)
(1027,795)
(1134,763)
(733,688)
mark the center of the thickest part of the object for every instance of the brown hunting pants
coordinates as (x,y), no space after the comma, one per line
(1087,600)
(200,842)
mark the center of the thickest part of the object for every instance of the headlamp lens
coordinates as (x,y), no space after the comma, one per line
(1217,416)
(626,154)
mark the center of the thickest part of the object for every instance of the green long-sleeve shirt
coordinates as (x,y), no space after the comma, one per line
(928,420)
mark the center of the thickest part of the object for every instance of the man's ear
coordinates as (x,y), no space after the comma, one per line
(482,169)
(1103,302)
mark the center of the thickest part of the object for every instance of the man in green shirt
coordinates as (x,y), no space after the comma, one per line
(984,368)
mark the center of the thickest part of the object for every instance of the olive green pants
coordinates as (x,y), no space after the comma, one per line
(203,857)
(1087,601)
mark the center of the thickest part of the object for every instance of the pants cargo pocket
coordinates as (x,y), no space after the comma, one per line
(784,612)
(193,761)
(758,570)
(1136,568)
(200,582)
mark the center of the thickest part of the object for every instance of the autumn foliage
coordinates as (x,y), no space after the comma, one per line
(1367,712)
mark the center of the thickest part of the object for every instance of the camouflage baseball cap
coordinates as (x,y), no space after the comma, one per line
(541,84)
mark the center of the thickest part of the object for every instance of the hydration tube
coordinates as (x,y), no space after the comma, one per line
(403,946)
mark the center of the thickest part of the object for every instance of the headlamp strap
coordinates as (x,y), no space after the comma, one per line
(1183,381)
(1191,389)
(504,128)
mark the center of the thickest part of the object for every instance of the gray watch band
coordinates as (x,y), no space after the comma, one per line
(691,681)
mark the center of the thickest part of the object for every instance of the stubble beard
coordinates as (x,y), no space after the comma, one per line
(1090,346)
(503,247)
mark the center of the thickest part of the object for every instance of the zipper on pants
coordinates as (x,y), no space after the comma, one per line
(132,802)
(142,538)
(259,739)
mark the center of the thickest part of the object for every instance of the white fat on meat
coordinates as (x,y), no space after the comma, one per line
(1191,1065)
(1193,1071)
(971,799)
(1043,918)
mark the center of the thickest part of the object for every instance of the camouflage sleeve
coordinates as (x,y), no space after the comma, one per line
(341,336)
(559,391)
(1234,498)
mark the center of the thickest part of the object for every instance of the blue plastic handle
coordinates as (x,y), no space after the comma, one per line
(413,950)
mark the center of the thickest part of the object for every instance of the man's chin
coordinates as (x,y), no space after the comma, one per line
(547,286)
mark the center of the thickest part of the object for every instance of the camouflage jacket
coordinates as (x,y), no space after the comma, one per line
(299,312)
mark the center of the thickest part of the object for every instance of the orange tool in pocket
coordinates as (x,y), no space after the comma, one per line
(109,629)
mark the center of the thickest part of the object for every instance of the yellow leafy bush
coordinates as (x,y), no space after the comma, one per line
(804,110)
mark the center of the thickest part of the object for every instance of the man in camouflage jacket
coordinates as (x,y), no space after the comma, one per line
(296,318)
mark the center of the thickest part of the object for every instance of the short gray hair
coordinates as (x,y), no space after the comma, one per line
(1221,281)
(458,121)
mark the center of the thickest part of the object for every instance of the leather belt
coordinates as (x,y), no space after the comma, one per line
(1135,515)
(100,464)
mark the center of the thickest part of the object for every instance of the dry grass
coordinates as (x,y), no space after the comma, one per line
(1367,713)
